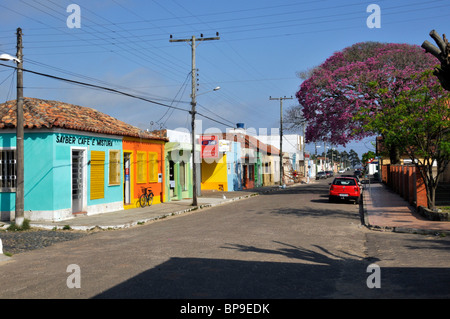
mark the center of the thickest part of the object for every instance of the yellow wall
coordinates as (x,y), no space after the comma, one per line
(214,174)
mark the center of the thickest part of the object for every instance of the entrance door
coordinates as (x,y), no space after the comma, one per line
(127,185)
(172,188)
(245,177)
(77,180)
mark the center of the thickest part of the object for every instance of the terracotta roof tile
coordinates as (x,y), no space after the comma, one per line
(249,141)
(40,114)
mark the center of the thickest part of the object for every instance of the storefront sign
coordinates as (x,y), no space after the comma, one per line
(210,146)
(82,140)
(224,146)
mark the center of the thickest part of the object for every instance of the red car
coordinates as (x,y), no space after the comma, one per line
(345,188)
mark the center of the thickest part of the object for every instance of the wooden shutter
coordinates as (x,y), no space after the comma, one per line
(153,167)
(97,174)
(114,167)
(141,167)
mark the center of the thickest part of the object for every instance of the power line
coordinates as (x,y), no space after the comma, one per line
(113,91)
(97,87)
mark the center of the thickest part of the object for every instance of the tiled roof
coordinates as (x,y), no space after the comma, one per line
(249,141)
(39,114)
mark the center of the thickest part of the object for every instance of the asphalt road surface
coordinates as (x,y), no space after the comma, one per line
(288,244)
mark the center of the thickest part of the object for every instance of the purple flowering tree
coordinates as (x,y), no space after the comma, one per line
(367,75)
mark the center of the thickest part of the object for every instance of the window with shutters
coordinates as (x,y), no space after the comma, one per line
(153,167)
(141,167)
(97,174)
(114,167)
(8,170)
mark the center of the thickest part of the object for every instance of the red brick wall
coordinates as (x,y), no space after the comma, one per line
(407,182)
(421,191)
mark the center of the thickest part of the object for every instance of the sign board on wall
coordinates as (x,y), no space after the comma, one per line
(224,146)
(210,146)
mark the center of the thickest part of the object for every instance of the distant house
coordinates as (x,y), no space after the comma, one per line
(73,160)
(178,165)
(241,162)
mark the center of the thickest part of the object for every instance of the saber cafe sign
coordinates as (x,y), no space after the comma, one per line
(64,139)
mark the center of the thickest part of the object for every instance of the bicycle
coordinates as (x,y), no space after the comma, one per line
(147,197)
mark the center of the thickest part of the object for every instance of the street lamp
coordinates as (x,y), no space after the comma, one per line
(7,57)
(217,88)
(19,215)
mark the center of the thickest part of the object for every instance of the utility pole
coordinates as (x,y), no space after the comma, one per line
(281,134)
(19,216)
(192,42)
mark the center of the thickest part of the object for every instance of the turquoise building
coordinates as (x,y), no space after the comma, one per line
(65,173)
(73,160)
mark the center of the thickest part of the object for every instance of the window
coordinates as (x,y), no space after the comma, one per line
(114,167)
(97,174)
(344,182)
(141,167)
(153,167)
(8,170)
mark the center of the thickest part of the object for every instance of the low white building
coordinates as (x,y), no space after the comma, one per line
(293,153)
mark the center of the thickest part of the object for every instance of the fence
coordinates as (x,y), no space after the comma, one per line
(407,181)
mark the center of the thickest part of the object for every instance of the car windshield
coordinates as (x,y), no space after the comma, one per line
(344,181)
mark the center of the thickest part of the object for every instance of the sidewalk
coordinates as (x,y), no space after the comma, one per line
(135,216)
(385,209)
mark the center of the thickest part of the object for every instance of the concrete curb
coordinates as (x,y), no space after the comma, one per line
(142,221)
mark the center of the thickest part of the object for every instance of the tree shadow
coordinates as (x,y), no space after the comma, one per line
(310,274)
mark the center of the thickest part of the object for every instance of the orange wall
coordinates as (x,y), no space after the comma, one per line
(133,145)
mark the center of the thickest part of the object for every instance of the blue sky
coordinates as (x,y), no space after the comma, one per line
(124,44)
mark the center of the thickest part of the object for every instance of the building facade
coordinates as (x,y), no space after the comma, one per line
(73,160)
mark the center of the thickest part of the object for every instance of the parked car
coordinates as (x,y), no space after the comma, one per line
(353,176)
(321,175)
(345,188)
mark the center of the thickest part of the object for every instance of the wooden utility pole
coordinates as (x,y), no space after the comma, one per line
(192,42)
(19,216)
(281,134)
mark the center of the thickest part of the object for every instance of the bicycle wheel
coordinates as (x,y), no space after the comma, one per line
(142,200)
(150,199)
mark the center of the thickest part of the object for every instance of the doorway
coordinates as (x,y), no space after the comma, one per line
(172,188)
(78,176)
(126,180)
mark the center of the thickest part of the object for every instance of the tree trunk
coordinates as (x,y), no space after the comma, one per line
(431,196)
(394,154)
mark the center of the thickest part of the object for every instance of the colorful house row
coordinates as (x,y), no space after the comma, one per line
(235,160)
(76,161)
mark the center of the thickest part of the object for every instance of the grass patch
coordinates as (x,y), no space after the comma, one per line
(15,227)
(445,209)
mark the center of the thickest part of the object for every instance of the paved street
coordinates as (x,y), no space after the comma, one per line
(290,243)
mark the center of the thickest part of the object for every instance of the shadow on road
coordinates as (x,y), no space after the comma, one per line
(311,274)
